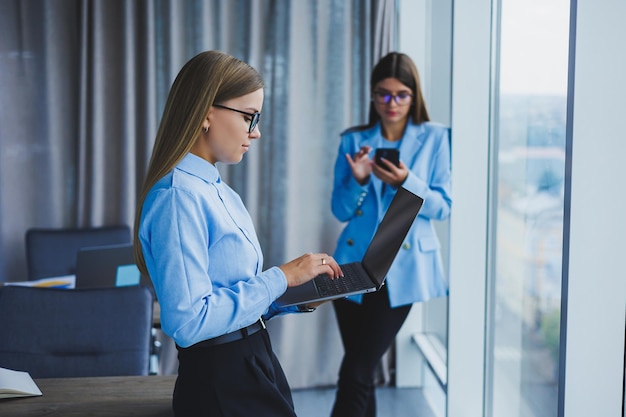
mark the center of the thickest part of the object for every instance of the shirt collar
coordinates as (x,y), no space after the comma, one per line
(199,167)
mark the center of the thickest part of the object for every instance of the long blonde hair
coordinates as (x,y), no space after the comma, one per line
(207,78)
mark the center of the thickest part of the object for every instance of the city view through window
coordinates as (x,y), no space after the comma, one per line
(527,225)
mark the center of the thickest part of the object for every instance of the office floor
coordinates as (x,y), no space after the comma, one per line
(391,402)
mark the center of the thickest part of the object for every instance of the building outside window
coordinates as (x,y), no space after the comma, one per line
(528,138)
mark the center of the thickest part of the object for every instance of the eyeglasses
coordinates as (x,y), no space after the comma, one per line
(401,99)
(254,117)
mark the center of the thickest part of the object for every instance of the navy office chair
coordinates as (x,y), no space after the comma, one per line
(52,252)
(52,332)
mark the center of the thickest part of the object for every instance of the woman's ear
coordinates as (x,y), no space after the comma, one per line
(206,124)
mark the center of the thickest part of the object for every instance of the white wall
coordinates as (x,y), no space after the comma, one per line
(596,297)
(468,224)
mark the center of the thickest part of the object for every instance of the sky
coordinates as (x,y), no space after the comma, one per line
(534,48)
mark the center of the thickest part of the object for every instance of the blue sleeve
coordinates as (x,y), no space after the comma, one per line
(176,232)
(348,194)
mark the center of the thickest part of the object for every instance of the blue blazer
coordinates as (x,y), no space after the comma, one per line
(417,272)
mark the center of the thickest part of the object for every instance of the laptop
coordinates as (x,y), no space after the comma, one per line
(108,266)
(369,274)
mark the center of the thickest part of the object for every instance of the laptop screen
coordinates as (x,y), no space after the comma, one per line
(391,233)
(106,266)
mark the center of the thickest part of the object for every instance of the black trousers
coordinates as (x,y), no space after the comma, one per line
(238,379)
(367,331)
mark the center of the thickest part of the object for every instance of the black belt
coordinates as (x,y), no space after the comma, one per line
(232,336)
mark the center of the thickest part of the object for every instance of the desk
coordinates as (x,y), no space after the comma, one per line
(118,396)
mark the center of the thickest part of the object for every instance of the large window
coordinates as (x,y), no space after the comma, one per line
(528,137)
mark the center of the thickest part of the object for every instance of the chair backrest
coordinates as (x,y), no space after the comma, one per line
(52,252)
(52,332)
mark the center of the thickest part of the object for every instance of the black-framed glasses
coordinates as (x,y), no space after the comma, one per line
(254,117)
(403,98)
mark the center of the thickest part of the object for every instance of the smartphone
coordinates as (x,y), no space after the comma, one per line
(390,154)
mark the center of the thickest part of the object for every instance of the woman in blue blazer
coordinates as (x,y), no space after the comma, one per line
(362,193)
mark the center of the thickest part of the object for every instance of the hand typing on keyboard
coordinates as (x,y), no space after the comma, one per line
(308,266)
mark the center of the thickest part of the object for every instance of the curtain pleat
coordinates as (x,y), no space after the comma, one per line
(385,29)
(82,87)
(38,61)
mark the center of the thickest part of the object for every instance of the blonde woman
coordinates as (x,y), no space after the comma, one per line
(196,241)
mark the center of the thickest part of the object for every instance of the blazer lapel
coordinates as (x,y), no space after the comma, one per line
(412,141)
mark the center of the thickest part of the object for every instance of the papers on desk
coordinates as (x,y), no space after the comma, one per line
(17,384)
(65,281)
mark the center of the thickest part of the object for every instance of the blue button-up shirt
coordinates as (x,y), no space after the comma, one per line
(203,255)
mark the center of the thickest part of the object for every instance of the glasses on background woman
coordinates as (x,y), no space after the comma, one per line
(403,98)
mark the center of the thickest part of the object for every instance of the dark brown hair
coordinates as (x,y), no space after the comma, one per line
(399,66)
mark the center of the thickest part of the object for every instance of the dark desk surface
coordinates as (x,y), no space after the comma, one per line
(125,396)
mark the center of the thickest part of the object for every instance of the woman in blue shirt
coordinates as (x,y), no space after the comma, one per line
(196,241)
(362,192)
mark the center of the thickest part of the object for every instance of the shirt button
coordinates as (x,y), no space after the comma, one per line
(359,212)
(406,245)
(350,242)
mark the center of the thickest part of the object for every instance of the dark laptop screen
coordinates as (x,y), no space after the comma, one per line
(395,225)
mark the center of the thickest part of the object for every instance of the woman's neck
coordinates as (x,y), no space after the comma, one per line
(393,131)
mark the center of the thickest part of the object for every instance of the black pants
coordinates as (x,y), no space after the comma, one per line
(367,331)
(238,379)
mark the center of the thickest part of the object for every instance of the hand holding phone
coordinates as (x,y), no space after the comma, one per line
(390,154)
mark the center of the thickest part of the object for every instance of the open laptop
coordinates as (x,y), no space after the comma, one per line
(369,274)
(108,266)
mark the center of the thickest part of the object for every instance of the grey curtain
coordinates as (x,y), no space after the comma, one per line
(82,86)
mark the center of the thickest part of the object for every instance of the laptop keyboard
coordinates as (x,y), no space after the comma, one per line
(354,279)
